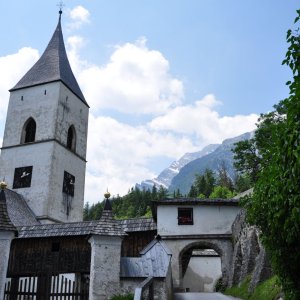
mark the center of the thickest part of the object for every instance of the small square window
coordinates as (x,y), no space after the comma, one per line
(185,216)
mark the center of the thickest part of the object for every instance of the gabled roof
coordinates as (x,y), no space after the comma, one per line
(52,66)
(154,261)
(155,244)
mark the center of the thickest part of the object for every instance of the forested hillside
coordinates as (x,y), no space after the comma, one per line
(137,203)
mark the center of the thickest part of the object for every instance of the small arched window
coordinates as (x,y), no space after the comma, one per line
(28,132)
(71,140)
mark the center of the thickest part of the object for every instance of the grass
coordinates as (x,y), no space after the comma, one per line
(267,290)
(122,297)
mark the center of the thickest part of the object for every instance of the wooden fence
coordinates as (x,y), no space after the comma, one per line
(61,288)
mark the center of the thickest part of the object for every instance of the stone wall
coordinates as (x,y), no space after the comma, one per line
(105,267)
(5,241)
(162,287)
(249,256)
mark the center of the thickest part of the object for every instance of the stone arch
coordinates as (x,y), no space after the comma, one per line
(222,247)
(71,138)
(28,131)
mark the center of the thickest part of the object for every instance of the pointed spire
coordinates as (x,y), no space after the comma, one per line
(107,205)
(107,213)
(52,66)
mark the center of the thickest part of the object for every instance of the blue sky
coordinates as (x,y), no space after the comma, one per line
(162,77)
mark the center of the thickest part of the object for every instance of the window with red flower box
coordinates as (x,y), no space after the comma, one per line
(185,216)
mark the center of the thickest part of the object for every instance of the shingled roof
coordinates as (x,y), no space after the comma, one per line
(105,226)
(52,66)
(18,210)
(5,222)
(138,224)
(154,261)
(72,229)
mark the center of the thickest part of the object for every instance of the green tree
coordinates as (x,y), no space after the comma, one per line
(86,211)
(162,193)
(275,204)
(224,178)
(221,192)
(242,182)
(205,183)
(246,159)
(193,192)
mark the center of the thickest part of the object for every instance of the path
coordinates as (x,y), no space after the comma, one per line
(202,296)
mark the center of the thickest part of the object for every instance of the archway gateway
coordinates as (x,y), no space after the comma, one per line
(182,250)
(200,268)
(187,224)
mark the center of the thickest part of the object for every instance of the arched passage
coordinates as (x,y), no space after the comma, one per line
(200,266)
(182,249)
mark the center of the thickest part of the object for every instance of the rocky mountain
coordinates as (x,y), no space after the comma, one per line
(165,177)
(222,154)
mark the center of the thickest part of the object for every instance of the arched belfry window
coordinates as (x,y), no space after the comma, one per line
(28,132)
(71,140)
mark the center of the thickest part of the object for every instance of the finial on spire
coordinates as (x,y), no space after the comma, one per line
(3,185)
(107,194)
(60,5)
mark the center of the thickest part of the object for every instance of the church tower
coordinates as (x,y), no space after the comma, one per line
(43,156)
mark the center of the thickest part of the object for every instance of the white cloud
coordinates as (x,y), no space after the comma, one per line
(136,80)
(119,155)
(78,15)
(12,68)
(202,120)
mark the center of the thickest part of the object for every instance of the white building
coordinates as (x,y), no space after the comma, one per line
(189,225)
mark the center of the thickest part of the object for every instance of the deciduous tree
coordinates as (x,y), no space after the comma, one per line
(275,204)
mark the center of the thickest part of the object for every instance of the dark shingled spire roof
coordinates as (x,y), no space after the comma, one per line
(107,205)
(52,66)
(5,222)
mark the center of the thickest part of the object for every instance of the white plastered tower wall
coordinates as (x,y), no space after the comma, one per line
(53,155)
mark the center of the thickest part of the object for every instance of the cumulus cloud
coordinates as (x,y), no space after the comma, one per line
(135,80)
(79,16)
(202,120)
(12,68)
(120,155)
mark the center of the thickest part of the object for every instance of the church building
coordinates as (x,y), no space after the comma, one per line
(42,172)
